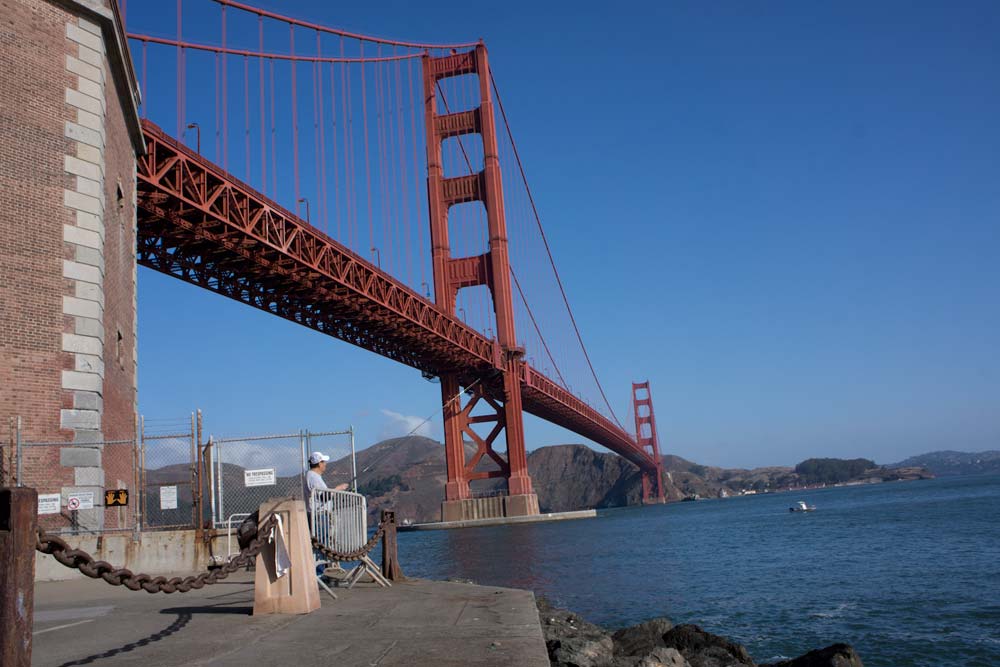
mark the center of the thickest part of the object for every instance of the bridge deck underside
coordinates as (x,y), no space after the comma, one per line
(200,224)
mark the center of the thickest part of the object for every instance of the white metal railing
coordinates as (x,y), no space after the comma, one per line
(339,519)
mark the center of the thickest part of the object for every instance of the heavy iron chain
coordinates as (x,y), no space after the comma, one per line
(99,569)
(350,555)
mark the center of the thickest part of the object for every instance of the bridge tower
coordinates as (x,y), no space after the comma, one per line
(492,268)
(645,435)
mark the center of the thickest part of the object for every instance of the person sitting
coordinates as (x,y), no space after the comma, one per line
(314,481)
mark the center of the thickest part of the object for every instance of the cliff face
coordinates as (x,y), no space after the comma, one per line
(572,477)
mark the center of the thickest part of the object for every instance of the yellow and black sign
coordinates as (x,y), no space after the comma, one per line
(113,497)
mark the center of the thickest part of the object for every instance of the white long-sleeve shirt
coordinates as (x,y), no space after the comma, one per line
(313,481)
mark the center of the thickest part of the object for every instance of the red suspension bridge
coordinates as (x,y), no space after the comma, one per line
(368,139)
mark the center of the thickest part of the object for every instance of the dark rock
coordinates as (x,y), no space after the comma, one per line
(573,642)
(703,649)
(663,657)
(641,639)
(658,657)
(836,655)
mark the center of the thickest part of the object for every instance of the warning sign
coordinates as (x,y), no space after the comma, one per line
(48,503)
(80,500)
(262,477)
(116,497)
(168,497)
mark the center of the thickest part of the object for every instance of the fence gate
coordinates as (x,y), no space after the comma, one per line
(169,469)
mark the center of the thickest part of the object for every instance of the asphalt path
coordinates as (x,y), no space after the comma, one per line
(417,622)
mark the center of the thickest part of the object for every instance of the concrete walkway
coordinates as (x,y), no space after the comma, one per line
(417,622)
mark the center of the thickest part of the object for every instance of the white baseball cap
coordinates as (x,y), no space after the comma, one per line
(318,457)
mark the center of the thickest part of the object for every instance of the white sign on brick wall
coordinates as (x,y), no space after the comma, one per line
(168,497)
(80,500)
(48,503)
(262,477)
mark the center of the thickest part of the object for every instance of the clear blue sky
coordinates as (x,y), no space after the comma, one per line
(785,215)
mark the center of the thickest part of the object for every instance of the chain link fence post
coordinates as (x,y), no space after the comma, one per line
(18,526)
(354,463)
(199,527)
(137,483)
(18,453)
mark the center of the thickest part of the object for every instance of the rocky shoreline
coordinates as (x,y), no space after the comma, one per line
(575,642)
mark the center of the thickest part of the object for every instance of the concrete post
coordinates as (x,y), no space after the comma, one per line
(297,592)
(18,524)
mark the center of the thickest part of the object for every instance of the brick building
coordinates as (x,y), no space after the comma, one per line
(69,136)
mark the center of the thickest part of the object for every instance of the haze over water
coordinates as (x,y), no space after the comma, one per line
(907,572)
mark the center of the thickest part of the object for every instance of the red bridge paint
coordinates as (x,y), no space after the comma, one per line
(200,223)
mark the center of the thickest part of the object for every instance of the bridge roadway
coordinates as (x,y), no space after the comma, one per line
(201,224)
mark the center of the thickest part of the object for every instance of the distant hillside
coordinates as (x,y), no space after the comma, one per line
(947,463)
(408,475)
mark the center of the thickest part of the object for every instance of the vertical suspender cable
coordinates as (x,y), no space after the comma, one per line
(225,102)
(416,176)
(333,140)
(403,175)
(368,180)
(322,136)
(180,73)
(218,106)
(246,114)
(274,146)
(349,191)
(316,152)
(145,87)
(295,122)
(263,134)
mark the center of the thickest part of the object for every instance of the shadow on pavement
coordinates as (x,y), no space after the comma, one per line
(183,618)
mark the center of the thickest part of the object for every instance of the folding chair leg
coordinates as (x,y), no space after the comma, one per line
(374,572)
(355,576)
(323,585)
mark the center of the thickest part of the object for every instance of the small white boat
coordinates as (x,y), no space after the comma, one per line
(802,507)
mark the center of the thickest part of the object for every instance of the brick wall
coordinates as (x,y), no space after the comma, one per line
(33,114)
(67,242)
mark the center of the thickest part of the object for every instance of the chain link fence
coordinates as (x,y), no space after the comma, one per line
(83,487)
(246,471)
(165,478)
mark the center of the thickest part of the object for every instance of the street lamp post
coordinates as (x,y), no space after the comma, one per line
(306,201)
(378,256)
(197,129)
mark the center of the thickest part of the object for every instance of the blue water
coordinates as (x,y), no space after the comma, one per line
(907,572)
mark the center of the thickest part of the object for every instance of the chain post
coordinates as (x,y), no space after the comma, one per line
(18,526)
(390,555)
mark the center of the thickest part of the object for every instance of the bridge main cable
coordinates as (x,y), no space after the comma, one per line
(548,250)
(335,31)
(268,55)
